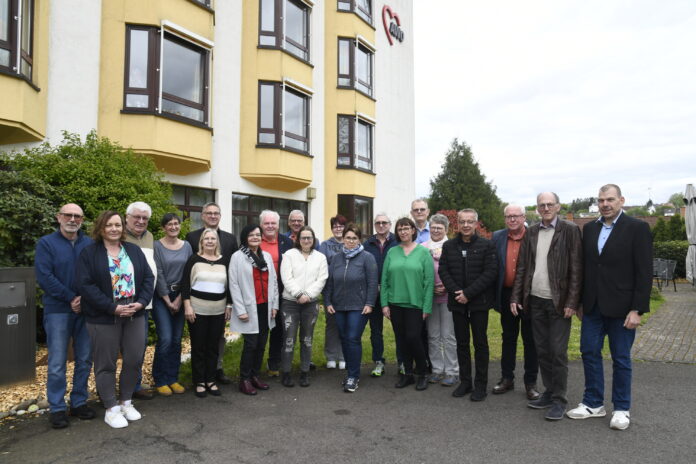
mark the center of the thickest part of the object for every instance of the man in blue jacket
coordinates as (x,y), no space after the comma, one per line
(56,255)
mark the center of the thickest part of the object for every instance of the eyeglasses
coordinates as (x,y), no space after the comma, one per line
(296,220)
(306,238)
(212,213)
(546,205)
(404,229)
(71,216)
(467,221)
(419,210)
(140,218)
(338,226)
(382,223)
(351,239)
(512,217)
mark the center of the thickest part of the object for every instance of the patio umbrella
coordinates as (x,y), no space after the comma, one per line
(690,219)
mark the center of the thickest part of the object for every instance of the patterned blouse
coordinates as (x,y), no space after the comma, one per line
(121,269)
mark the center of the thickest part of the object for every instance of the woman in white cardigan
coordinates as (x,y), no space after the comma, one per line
(304,271)
(254,291)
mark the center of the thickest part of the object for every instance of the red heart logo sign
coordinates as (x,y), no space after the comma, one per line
(387,11)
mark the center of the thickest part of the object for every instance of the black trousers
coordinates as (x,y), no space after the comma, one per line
(408,329)
(551,334)
(512,325)
(477,322)
(254,346)
(205,332)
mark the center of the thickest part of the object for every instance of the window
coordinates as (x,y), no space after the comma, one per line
(362,8)
(205,3)
(246,210)
(190,201)
(355,65)
(357,210)
(355,142)
(285,24)
(183,92)
(17,37)
(283,117)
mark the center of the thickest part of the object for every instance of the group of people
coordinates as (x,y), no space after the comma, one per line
(435,291)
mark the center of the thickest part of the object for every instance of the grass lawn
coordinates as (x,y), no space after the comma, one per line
(233,350)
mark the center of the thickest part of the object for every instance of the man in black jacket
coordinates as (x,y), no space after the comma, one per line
(228,245)
(468,269)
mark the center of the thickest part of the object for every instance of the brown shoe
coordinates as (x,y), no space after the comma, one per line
(259,384)
(532,392)
(504,386)
(246,387)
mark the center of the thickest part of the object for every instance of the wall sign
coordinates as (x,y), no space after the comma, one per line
(392,25)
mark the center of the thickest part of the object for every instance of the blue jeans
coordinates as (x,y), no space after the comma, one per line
(60,327)
(594,327)
(351,325)
(170,327)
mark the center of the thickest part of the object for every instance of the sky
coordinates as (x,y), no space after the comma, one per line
(559,95)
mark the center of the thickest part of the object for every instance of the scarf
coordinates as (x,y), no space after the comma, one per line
(256,260)
(349,254)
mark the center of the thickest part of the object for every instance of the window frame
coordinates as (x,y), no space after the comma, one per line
(353,140)
(13,44)
(253,216)
(354,8)
(187,208)
(156,36)
(350,212)
(354,46)
(279,129)
(279,28)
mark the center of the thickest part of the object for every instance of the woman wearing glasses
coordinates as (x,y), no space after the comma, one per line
(408,281)
(303,271)
(254,290)
(350,294)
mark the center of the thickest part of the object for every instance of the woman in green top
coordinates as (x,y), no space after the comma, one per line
(406,293)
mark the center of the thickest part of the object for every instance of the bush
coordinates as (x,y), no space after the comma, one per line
(676,250)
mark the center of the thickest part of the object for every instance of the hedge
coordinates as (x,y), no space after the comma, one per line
(676,250)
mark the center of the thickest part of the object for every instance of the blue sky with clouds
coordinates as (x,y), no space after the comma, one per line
(559,95)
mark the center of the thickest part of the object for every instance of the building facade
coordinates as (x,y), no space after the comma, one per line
(254,104)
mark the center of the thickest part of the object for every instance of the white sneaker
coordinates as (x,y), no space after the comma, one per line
(331,365)
(620,420)
(115,419)
(341,364)
(130,413)
(583,412)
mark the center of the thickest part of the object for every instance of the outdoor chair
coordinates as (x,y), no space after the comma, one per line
(663,271)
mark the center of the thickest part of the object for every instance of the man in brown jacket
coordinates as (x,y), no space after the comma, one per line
(547,285)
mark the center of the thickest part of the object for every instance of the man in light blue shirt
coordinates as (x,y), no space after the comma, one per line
(420,213)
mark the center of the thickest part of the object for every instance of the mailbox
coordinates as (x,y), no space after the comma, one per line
(17,325)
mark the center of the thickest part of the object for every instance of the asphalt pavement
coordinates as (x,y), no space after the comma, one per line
(377,423)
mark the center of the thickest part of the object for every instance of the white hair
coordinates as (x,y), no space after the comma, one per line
(512,205)
(267,212)
(295,212)
(140,206)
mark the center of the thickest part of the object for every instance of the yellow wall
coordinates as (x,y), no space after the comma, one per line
(23,108)
(267,167)
(177,147)
(342,101)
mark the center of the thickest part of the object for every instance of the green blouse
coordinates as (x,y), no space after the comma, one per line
(408,281)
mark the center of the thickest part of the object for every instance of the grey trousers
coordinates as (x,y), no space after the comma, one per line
(551,334)
(304,317)
(332,341)
(127,336)
(442,343)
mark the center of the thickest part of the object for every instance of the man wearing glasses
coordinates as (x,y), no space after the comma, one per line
(378,245)
(547,286)
(507,242)
(210,215)
(54,264)
(420,213)
(296,221)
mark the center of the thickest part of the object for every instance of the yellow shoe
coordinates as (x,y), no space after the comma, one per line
(177,388)
(164,390)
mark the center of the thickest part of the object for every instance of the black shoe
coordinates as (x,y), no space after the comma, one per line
(312,366)
(286,381)
(543,402)
(143,394)
(462,390)
(556,411)
(58,420)
(221,378)
(421,383)
(83,412)
(213,389)
(478,395)
(504,386)
(201,394)
(304,379)
(405,380)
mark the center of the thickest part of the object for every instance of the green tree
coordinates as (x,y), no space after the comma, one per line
(97,174)
(581,204)
(677,199)
(659,232)
(461,184)
(676,228)
(638,211)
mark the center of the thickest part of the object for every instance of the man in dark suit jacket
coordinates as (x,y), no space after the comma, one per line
(617,251)
(507,243)
(228,245)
